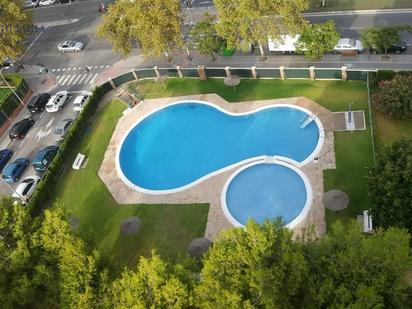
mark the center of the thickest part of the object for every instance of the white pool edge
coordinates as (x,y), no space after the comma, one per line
(222,170)
(280,161)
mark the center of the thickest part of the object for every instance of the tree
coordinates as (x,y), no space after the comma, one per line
(382,38)
(390,183)
(244,22)
(348,269)
(394,96)
(154,24)
(317,39)
(205,37)
(153,285)
(14,23)
(258,266)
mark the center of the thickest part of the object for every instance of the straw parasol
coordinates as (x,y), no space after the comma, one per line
(232,81)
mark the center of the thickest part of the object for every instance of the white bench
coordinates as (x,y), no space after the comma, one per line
(367,222)
(78,161)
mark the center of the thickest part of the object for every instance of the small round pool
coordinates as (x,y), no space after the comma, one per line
(261,191)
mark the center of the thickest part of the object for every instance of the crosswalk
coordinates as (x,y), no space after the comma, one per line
(77,75)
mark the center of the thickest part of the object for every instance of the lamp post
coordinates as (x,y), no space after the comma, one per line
(11,88)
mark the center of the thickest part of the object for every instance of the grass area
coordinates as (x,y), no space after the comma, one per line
(333,5)
(166,228)
(387,129)
(334,95)
(4,93)
(353,150)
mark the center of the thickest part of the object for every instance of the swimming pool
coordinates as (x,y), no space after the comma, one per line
(184,143)
(262,190)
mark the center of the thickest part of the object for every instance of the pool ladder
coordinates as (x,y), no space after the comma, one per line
(306,120)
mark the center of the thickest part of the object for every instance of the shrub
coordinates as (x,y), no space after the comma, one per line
(394,96)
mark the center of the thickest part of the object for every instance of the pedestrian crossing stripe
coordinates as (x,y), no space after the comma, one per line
(76,79)
(80,68)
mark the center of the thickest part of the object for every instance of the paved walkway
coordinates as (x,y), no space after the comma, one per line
(210,190)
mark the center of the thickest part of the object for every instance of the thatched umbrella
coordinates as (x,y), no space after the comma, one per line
(232,81)
(198,246)
(161,79)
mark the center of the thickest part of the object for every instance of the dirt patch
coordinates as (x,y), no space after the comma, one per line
(74,222)
(198,247)
(336,200)
(130,226)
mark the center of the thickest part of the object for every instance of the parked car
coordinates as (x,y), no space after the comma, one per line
(80,101)
(20,129)
(13,171)
(29,4)
(396,48)
(38,102)
(348,45)
(43,158)
(5,156)
(57,101)
(7,63)
(70,46)
(61,129)
(47,2)
(26,188)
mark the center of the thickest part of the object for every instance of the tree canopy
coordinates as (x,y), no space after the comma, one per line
(244,22)
(205,38)
(394,97)
(152,24)
(318,39)
(382,38)
(390,183)
(14,23)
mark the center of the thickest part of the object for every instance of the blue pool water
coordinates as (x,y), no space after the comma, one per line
(266,191)
(182,143)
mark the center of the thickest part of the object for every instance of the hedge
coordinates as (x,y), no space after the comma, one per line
(46,187)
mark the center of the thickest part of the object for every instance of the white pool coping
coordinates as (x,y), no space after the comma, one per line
(246,161)
(276,160)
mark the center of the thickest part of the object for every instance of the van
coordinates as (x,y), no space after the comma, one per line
(43,158)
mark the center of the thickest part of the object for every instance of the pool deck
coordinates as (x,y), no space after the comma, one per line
(210,190)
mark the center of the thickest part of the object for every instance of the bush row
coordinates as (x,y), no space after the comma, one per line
(46,187)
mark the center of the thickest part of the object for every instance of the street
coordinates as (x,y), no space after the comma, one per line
(78,21)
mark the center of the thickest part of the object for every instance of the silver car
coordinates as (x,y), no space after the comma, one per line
(70,46)
(28,4)
(61,129)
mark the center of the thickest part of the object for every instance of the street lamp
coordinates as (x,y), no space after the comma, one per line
(8,85)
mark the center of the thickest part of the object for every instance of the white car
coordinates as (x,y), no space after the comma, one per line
(26,188)
(57,101)
(47,2)
(28,4)
(348,45)
(80,101)
(70,46)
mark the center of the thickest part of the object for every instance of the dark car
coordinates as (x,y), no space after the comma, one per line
(43,158)
(396,48)
(38,103)
(20,129)
(5,156)
(13,171)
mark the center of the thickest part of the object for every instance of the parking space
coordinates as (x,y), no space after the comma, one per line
(38,137)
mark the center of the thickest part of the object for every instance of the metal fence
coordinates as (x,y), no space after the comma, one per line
(203,72)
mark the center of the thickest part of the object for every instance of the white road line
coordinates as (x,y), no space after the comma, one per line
(63,81)
(83,78)
(64,69)
(94,77)
(107,65)
(86,81)
(71,79)
(59,78)
(102,66)
(53,70)
(77,78)
(22,143)
(58,70)
(68,69)
(96,67)
(34,41)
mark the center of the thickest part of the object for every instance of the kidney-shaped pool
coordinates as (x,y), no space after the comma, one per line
(185,142)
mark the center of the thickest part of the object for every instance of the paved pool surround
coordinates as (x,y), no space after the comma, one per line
(210,190)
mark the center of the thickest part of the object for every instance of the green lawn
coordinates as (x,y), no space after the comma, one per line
(4,92)
(333,5)
(166,228)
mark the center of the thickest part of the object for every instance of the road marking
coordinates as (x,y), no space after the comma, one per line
(59,78)
(86,81)
(83,77)
(77,78)
(107,65)
(63,81)
(102,66)
(21,145)
(94,77)
(58,70)
(68,69)
(64,69)
(71,79)
(34,41)
(96,67)
(53,70)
